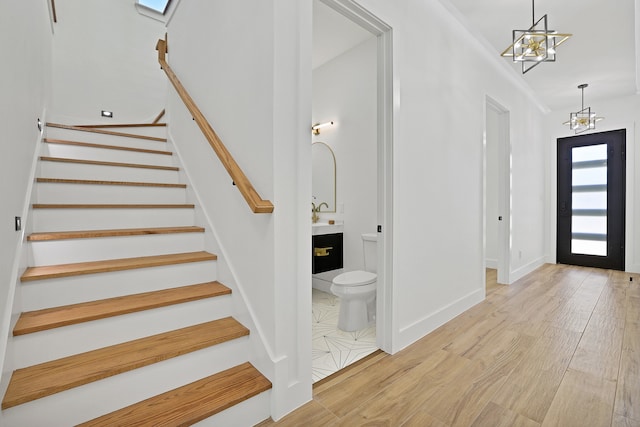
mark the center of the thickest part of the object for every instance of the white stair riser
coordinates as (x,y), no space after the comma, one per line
(248,413)
(49,169)
(105,154)
(97,138)
(157,131)
(39,347)
(95,249)
(91,400)
(47,293)
(88,219)
(102,193)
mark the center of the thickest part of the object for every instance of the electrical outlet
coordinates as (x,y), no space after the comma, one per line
(18,223)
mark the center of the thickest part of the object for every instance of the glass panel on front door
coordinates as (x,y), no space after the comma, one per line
(589,200)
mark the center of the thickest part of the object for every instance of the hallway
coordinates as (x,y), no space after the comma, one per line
(559,347)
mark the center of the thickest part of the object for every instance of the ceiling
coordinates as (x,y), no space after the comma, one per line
(602,51)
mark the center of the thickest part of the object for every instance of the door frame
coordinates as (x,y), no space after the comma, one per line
(383,32)
(504,190)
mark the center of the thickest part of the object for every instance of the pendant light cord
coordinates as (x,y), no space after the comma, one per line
(533,12)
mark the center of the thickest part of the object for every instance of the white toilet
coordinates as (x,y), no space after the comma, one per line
(357,290)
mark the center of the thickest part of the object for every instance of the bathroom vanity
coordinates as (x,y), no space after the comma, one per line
(326,250)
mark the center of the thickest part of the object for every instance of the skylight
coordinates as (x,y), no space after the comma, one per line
(159,6)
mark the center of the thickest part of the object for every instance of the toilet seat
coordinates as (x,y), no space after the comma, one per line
(355,278)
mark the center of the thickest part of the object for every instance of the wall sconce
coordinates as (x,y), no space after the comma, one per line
(316,128)
(108,114)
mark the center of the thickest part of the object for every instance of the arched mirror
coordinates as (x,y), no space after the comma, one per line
(323,178)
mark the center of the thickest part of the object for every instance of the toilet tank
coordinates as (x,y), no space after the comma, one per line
(370,250)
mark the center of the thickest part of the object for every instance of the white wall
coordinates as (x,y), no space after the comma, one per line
(619,113)
(104,59)
(25,88)
(344,90)
(441,79)
(248,67)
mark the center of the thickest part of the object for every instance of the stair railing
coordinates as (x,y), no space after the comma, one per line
(256,203)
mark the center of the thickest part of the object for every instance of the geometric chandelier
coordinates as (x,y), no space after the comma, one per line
(584,119)
(536,44)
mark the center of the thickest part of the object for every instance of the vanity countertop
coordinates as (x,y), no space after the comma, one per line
(319,228)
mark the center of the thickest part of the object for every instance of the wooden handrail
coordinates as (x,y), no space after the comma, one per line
(256,203)
(53,11)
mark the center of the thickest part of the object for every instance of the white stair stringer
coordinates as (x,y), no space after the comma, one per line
(92,400)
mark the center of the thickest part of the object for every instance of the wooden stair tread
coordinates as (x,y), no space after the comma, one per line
(122,125)
(106,132)
(48,378)
(40,320)
(106,146)
(112,206)
(76,269)
(96,182)
(101,163)
(87,234)
(191,403)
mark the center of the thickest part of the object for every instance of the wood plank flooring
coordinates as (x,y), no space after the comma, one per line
(560,347)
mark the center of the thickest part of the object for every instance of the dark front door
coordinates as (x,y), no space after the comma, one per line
(591,200)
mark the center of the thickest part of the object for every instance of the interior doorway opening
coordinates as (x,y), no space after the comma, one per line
(378,151)
(497,190)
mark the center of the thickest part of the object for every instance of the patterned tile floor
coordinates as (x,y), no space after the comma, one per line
(334,349)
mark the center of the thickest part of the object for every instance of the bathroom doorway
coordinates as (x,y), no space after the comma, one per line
(497,190)
(352,89)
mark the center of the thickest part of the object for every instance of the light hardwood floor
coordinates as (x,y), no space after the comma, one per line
(560,347)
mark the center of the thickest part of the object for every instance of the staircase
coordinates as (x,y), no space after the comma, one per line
(123,322)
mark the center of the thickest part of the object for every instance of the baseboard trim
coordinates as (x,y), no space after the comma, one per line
(525,269)
(491,263)
(634,268)
(413,332)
